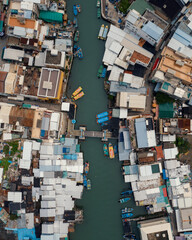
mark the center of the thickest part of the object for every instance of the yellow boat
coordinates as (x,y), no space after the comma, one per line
(80,95)
(111,151)
(78,90)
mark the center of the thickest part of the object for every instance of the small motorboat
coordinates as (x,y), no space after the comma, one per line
(75,12)
(100,71)
(128,192)
(126,210)
(111,151)
(126,215)
(78,90)
(75,22)
(88,184)
(105,150)
(124,200)
(100,35)
(129,236)
(78,96)
(78,8)
(98,13)
(98,3)
(116,149)
(84,181)
(104,72)
(76,37)
(101,115)
(86,167)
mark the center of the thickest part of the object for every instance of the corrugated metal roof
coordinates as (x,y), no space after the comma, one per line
(141,132)
(153,30)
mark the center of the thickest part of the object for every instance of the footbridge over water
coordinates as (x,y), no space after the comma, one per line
(82,133)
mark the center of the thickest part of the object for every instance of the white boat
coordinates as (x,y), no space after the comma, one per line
(101,31)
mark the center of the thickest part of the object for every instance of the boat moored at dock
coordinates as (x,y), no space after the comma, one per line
(126,215)
(78,90)
(104,36)
(101,115)
(105,150)
(124,200)
(98,12)
(84,181)
(98,3)
(88,184)
(111,151)
(101,31)
(80,95)
(125,193)
(75,12)
(86,167)
(102,120)
(76,37)
(126,210)
(78,8)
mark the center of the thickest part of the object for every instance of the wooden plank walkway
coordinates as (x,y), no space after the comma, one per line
(104,135)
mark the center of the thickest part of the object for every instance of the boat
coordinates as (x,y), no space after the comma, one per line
(86,167)
(84,181)
(111,151)
(100,71)
(78,52)
(104,72)
(126,210)
(80,95)
(128,192)
(76,38)
(129,236)
(98,3)
(98,13)
(78,90)
(101,31)
(126,215)
(101,115)
(105,150)
(102,120)
(105,33)
(75,12)
(88,184)
(116,149)
(124,200)
(75,22)
(78,8)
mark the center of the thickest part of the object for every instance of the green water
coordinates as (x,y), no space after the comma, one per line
(102,218)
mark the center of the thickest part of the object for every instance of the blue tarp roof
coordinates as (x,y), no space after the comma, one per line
(141,132)
(124,142)
(153,30)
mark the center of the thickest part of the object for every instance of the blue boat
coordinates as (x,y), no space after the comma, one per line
(126,210)
(75,22)
(102,120)
(75,12)
(129,236)
(128,192)
(104,72)
(126,215)
(116,149)
(84,181)
(101,115)
(124,200)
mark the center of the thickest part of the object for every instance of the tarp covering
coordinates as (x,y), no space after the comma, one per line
(49,16)
(166,110)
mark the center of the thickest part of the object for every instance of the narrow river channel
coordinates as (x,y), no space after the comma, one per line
(102,217)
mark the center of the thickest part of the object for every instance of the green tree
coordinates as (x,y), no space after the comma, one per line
(182,144)
(6,149)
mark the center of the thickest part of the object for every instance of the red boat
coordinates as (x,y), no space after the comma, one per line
(86,167)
